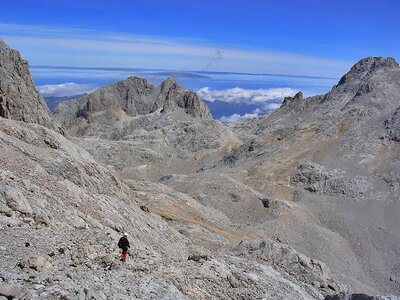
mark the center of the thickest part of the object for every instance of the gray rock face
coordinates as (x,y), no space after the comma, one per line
(393,126)
(297,102)
(284,257)
(171,95)
(315,179)
(19,99)
(132,97)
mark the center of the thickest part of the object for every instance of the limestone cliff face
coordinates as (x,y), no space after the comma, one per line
(19,100)
(129,98)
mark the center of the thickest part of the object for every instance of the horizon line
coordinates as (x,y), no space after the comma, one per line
(176,71)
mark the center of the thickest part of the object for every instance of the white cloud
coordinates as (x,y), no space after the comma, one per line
(257,111)
(64,89)
(237,118)
(271,106)
(248,96)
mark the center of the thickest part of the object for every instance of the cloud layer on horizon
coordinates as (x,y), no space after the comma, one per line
(238,118)
(64,89)
(265,101)
(249,96)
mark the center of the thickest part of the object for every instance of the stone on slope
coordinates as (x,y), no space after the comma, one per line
(17,202)
(35,262)
(10,291)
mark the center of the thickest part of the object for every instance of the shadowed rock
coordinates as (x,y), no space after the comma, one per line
(19,100)
(359,296)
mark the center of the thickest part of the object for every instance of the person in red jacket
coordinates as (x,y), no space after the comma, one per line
(123,243)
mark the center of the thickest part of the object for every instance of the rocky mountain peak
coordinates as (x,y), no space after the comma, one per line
(169,82)
(298,96)
(172,95)
(128,98)
(374,63)
(169,88)
(136,81)
(19,100)
(368,66)
(293,102)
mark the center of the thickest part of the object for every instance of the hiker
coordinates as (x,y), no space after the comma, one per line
(123,243)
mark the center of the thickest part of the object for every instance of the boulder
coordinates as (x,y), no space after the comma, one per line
(35,262)
(10,291)
(17,202)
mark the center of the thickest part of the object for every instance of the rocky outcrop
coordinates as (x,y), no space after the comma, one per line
(289,260)
(172,95)
(297,102)
(19,100)
(314,178)
(129,98)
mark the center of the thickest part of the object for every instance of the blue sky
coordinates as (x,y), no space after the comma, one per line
(320,38)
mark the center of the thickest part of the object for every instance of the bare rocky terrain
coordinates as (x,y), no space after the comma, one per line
(300,204)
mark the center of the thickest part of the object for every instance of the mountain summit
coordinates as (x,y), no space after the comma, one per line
(130,98)
(367,66)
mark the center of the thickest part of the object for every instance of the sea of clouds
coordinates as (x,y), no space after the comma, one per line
(260,101)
